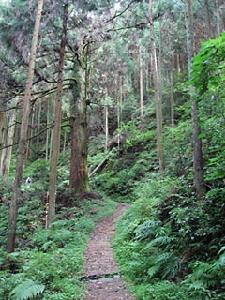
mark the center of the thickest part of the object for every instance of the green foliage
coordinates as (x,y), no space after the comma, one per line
(53,258)
(208,77)
(27,290)
(163,290)
(162,236)
(169,245)
(124,170)
(209,65)
(178,148)
(207,279)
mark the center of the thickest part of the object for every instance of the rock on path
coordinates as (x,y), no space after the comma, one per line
(100,266)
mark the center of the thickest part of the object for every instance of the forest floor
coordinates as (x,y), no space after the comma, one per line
(101,270)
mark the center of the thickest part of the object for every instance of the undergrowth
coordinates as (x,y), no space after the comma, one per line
(126,167)
(50,265)
(167,245)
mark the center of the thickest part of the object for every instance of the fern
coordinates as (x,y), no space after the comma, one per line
(161,241)
(146,230)
(27,290)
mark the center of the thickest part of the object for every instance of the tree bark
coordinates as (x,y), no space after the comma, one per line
(209,23)
(119,110)
(39,110)
(6,153)
(48,131)
(158,96)
(218,21)
(78,165)
(106,126)
(13,210)
(141,84)
(172,97)
(178,63)
(196,128)
(79,135)
(57,124)
(3,129)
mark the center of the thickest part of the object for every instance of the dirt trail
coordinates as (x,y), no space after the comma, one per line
(101,270)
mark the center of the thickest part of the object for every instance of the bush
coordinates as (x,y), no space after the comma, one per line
(162,236)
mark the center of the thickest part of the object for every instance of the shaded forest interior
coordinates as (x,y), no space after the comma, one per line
(107,102)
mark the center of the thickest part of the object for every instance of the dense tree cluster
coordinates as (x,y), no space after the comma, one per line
(90,86)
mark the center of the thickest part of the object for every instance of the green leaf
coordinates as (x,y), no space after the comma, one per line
(27,290)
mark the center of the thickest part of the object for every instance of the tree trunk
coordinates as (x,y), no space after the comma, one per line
(39,110)
(218,21)
(147,86)
(158,96)
(79,135)
(48,131)
(209,23)
(106,126)
(150,73)
(172,97)
(6,153)
(3,129)
(57,123)
(141,84)
(32,141)
(197,143)
(13,210)
(119,111)
(78,165)
(178,63)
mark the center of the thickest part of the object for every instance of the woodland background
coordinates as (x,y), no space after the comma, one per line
(123,101)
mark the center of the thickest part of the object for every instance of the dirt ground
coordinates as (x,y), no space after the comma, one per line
(101,269)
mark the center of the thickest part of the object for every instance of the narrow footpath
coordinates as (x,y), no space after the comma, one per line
(101,271)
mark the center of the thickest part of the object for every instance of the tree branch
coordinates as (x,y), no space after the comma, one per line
(116,15)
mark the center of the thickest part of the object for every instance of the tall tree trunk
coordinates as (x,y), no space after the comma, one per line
(150,74)
(3,129)
(171,82)
(79,134)
(141,83)
(32,141)
(147,86)
(6,153)
(178,63)
(51,130)
(48,131)
(158,96)
(209,23)
(218,21)
(172,97)
(39,110)
(197,143)
(13,210)
(106,126)
(119,110)
(57,123)
(78,165)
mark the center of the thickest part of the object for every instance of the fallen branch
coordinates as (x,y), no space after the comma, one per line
(101,165)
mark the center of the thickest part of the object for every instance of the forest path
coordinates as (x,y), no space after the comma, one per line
(101,270)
